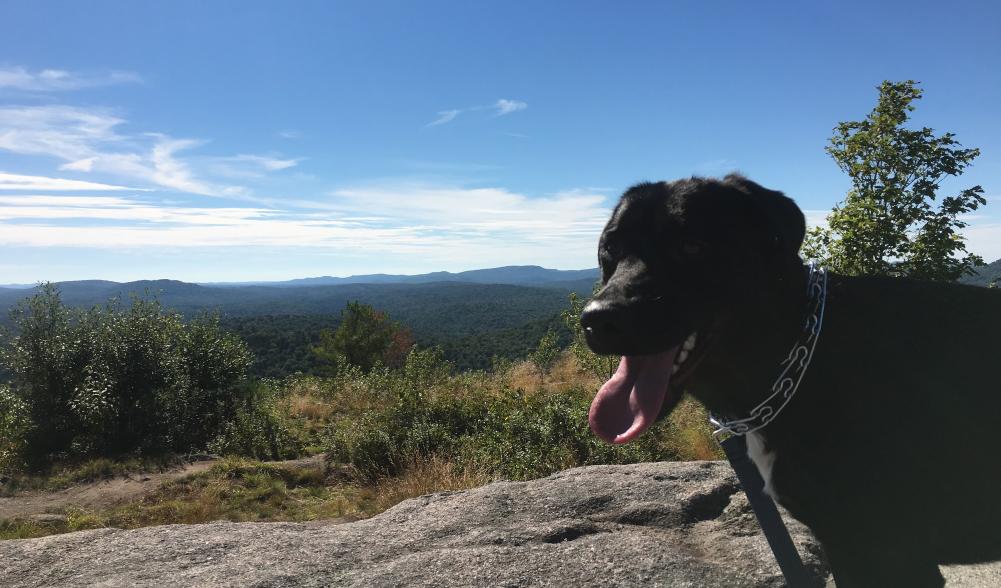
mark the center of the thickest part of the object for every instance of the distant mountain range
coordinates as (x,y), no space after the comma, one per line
(985,275)
(516,275)
(442,303)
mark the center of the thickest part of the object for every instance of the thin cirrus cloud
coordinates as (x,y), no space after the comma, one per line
(445,116)
(58,80)
(89,140)
(245,166)
(267,163)
(508,106)
(444,225)
(983,233)
(501,107)
(42,183)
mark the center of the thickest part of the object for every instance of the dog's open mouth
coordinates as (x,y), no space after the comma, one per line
(631,400)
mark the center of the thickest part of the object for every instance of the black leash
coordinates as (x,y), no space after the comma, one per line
(767,513)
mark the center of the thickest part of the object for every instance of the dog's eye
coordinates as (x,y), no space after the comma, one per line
(611,250)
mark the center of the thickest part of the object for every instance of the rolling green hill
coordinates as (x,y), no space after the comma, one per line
(985,275)
(471,321)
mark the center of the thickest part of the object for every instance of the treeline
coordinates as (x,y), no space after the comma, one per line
(283,345)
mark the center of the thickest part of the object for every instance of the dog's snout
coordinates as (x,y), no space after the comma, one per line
(601,323)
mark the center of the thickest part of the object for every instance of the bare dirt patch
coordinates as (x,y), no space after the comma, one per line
(107,494)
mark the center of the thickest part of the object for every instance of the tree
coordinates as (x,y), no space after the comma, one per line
(888,223)
(365,338)
(546,354)
(601,366)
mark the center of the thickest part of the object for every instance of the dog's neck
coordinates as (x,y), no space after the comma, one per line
(748,344)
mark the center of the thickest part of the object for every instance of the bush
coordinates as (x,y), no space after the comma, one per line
(260,429)
(502,432)
(14,425)
(114,380)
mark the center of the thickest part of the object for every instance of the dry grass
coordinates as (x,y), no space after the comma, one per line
(565,373)
(243,490)
(523,375)
(341,396)
(305,406)
(424,476)
(692,437)
(65,475)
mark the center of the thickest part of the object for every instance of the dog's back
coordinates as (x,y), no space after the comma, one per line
(917,402)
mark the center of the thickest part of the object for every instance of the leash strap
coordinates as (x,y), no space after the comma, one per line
(792,567)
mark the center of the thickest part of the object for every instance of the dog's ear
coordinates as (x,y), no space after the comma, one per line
(785,219)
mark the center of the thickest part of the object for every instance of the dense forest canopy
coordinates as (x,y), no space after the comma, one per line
(471,322)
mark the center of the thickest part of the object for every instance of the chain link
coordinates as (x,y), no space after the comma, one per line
(793,367)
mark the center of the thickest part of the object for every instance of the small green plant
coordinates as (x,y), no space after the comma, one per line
(546,354)
(261,428)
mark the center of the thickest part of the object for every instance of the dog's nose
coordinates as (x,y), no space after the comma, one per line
(601,322)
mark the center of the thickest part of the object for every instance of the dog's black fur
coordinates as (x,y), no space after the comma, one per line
(890,450)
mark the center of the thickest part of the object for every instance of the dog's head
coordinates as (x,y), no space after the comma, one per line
(676,259)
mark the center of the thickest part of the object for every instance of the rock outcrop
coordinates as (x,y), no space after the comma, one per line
(657,524)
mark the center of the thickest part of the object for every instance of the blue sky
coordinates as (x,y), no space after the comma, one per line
(227,141)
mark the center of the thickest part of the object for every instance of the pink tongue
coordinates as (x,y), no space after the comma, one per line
(630,401)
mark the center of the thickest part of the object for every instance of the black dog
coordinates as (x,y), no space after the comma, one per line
(888,450)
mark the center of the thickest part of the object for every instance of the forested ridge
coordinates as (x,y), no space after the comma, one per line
(472,322)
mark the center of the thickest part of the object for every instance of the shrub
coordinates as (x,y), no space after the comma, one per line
(113,380)
(261,428)
(14,425)
(499,432)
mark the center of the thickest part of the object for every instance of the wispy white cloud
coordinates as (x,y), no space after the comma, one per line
(504,106)
(248,167)
(264,162)
(171,172)
(983,237)
(816,218)
(445,116)
(982,233)
(289,134)
(42,183)
(64,132)
(56,80)
(447,226)
(500,108)
(91,141)
(498,215)
(81,165)
(25,201)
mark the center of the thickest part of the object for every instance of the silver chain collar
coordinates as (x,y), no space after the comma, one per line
(793,368)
